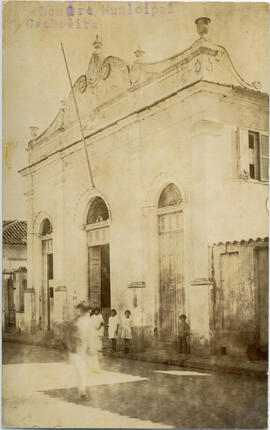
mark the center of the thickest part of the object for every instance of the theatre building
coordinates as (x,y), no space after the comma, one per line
(177,219)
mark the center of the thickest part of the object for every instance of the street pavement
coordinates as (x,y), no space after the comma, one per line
(39,389)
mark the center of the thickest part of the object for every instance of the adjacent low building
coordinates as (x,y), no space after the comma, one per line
(177,219)
(14,273)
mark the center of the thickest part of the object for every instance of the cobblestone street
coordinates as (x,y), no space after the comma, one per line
(39,390)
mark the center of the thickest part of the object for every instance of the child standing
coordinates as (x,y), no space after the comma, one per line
(98,327)
(183,335)
(113,329)
(126,333)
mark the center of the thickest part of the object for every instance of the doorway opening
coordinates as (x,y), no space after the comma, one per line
(171,261)
(47,288)
(99,285)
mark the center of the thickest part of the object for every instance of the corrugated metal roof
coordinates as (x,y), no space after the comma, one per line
(241,242)
(14,232)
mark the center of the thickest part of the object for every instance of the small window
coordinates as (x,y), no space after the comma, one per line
(258,155)
(47,227)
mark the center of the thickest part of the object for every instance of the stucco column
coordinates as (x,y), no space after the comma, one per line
(30,306)
(200,288)
(59,246)
(30,229)
(150,254)
(135,206)
(60,309)
(29,311)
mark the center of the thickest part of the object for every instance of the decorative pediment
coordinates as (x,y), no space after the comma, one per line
(108,89)
(55,127)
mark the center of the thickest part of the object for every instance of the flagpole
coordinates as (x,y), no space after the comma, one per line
(79,119)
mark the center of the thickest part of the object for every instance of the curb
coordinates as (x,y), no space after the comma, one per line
(193,365)
(187,363)
(31,342)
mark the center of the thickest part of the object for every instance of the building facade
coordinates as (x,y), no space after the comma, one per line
(179,156)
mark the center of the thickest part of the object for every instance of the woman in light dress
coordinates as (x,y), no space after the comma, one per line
(96,334)
(113,329)
(126,333)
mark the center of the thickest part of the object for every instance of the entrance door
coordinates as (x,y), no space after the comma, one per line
(50,293)
(261,270)
(99,278)
(11,304)
(171,273)
(47,292)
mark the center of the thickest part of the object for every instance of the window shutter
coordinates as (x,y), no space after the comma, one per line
(243,151)
(264,157)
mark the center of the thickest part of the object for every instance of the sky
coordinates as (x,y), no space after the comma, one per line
(34,74)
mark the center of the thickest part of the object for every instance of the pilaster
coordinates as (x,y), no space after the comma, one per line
(59,233)
(30,322)
(136,250)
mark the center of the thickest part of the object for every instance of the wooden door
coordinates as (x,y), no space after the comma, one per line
(50,290)
(94,264)
(11,304)
(47,284)
(44,295)
(105,298)
(261,272)
(172,300)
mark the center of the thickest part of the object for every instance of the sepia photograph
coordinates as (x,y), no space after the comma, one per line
(135,214)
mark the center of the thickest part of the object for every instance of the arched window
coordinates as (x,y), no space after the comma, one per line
(46,227)
(98,212)
(170,196)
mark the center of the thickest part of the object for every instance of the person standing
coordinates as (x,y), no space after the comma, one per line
(98,327)
(126,333)
(113,329)
(183,335)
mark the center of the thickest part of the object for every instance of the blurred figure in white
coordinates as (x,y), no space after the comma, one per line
(78,337)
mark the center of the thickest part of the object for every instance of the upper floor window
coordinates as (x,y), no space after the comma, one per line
(258,156)
(170,196)
(98,211)
(46,227)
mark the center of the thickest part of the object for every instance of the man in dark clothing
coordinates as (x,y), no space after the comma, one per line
(183,335)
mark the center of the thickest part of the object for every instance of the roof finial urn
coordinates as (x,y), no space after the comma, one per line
(139,52)
(33,132)
(202,24)
(97,43)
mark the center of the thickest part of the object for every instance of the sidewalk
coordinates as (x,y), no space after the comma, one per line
(224,364)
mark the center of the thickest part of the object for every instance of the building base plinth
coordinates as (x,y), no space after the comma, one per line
(200,293)
(30,325)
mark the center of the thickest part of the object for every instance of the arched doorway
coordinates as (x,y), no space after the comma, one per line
(47,287)
(98,242)
(171,260)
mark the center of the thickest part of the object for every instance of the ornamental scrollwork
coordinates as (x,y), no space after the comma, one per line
(81,84)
